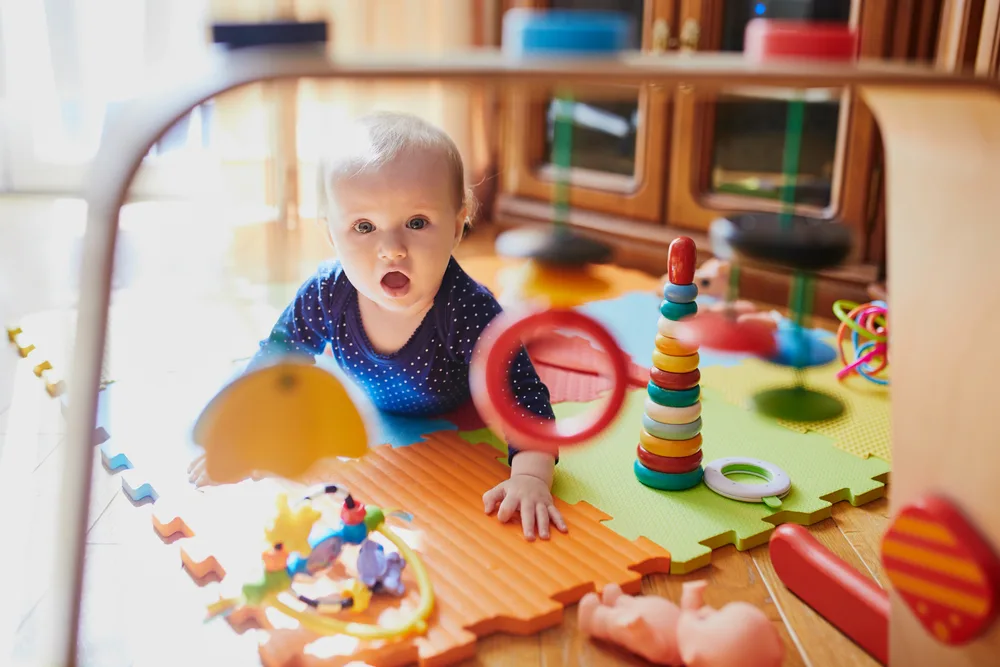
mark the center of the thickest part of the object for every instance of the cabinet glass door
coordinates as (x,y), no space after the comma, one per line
(617,160)
(604,132)
(748,133)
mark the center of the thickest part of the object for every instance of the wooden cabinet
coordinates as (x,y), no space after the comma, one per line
(618,145)
(669,162)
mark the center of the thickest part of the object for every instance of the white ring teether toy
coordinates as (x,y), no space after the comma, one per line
(777,482)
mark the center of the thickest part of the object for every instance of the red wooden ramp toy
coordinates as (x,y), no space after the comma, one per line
(940,565)
(851,602)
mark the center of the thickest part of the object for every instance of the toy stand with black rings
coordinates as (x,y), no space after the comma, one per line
(941,133)
(554,278)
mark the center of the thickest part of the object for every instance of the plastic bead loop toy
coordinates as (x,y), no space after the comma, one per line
(292,552)
(868,322)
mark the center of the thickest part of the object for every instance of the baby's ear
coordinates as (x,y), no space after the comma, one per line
(462,225)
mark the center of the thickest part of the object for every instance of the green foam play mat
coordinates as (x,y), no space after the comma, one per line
(690,524)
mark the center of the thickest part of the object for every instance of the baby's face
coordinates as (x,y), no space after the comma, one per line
(395,228)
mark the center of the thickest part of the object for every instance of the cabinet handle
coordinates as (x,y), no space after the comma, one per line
(661,36)
(690,35)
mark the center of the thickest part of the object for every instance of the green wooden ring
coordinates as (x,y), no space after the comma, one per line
(667,481)
(674,398)
(677,311)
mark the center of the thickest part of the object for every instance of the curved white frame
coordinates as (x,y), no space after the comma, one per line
(147,119)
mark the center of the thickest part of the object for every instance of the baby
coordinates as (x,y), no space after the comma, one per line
(401,316)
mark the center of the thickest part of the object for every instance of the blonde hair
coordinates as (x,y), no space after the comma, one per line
(378,138)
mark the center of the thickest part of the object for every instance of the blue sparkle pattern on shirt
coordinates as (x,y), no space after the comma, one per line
(429,375)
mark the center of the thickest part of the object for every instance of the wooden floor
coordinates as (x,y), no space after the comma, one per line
(37,272)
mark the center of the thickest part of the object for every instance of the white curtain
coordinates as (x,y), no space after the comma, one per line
(67,62)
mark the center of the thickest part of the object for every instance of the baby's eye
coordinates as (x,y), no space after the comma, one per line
(364,227)
(417,223)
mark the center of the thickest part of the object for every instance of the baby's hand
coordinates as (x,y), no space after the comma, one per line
(529,496)
(197,474)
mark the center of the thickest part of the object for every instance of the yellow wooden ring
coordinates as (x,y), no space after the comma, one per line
(673,347)
(671,448)
(670,364)
(667,415)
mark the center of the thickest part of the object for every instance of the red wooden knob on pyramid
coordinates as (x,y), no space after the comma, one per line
(681,258)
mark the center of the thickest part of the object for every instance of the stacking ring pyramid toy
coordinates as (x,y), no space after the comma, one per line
(669,455)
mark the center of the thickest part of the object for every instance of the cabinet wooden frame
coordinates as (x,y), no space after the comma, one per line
(675,156)
(970,37)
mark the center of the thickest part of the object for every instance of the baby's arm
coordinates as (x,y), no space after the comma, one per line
(528,490)
(305,326)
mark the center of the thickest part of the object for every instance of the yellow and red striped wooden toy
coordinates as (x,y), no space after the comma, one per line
(943,569)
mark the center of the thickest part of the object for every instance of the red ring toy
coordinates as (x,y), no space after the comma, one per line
(674,381)
(670,465)
(499,344)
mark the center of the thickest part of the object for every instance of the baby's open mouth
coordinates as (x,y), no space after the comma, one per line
(395,284)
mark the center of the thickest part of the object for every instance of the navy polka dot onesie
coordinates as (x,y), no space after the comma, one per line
(429,375)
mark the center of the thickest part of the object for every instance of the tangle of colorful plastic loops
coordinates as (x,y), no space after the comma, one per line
(867,322)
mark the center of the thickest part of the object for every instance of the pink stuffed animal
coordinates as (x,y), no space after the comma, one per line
(692,634)
(746,311)
(643,624)
(738,634)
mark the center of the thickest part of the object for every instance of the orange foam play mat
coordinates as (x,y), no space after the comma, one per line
(487,578)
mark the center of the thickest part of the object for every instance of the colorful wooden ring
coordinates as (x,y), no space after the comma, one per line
(668,464)
(680,293)
(944,569)
(671,364)
(673,347)
(667,415)
(671,431)
(677,311)
(666,327)
(776,484)
(675,381)
(666,481)
(669,448)
(674,399)
(504,337)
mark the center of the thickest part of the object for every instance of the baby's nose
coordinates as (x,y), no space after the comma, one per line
(392,248)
